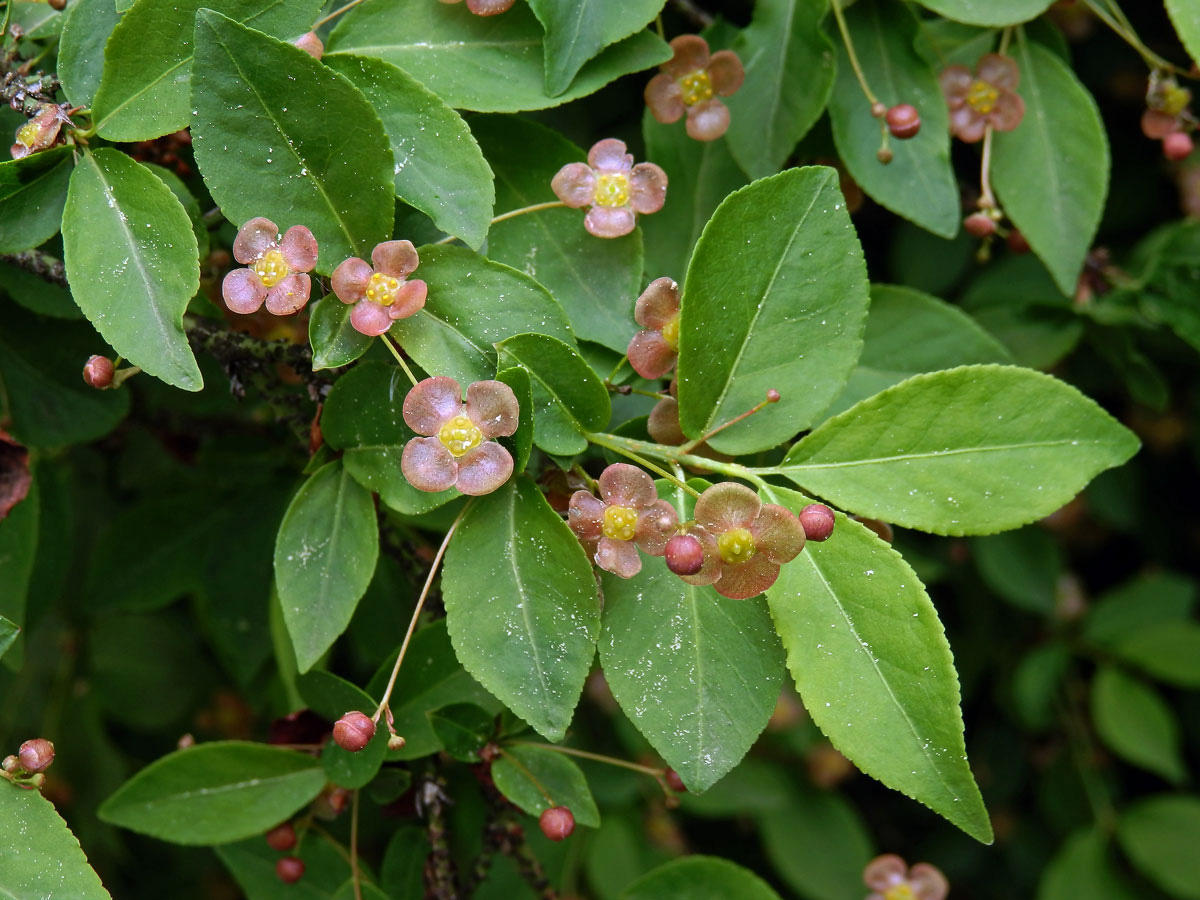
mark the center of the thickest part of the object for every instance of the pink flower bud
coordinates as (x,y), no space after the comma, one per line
(353,731)
(282,837)
(36,755)
(310,44)
(817,520)
(674,782)
(903,121)
(1177,145)
(979,225)
(98,371)
(290,869)
(557,823)
(685,555)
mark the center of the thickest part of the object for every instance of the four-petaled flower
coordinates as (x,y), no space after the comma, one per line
(381,294)
(690,82)
(457,449)
(890,878)
(986,98)
(276,268)
(652,352)
(627,515)
(745,541)
(613,187)
(485,7)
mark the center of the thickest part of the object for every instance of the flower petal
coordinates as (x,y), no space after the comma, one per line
(710,572)
(955,82)
(727,505)
(409,300)
(658,304)
(619,557)
(649,354)
(655,526)
(707,121)
(350,279)
(431,403)
(967,124)
(778,534)
(648,188)
(663,423)
(726,72)
(428,465)
(664,97)
(299,249)
(289,295)
(311,44)
(1008,111)
(609,155)
(493,407)
(998,71)
(585,515)
(1156,124)
(254,239)
(610,221)
(885,872)
(928,882)
(749,579)
(243,291)
(488,7)
(484,469)
(691,53)
(370,318)
(575,185)
(624,485)
(395,258)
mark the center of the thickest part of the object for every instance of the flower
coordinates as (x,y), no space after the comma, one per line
(890,878)
(458,450)
(613,187)
(745,541)
(485,7)
(689,81)
(652,352)
(381,294)
(40,132)
(627,515)
(663,423)
(983,99)
(276,268)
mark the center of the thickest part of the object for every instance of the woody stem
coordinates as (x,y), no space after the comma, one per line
(584,754)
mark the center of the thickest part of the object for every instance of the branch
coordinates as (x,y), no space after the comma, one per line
(693,12)
(34,261)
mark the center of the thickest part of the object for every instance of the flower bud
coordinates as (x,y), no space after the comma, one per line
(817,520)
(557,823)
(11,764)
(884,155)
(1017,243)
(684,554)
(282,837)
(772,396)
(490,752)
(979,225)
(353,731)
(903,121)
(98,371)
(674,782)
(396,742)
(290,869)
(1177,145)
(878,110)
(36,755)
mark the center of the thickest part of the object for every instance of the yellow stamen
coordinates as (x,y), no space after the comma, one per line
(982,96)
(697,87)
(382,289)
(620,522)
(27,134)
(271,268)
(612,189)
(670,332)
(736,546)
(459,435)
(902,891)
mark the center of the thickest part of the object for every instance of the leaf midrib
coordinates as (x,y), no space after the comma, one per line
(512,561)
(933,454)
(167,799)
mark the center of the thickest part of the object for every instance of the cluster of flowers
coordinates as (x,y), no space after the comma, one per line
(1168,117)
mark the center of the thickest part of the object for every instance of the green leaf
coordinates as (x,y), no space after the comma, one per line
(1186,19)
(1167,651)
(277,134)
(353,770)
(463,729)
(252,864)
(332,696)
(81,48)
(144,91)
(873,666)
(520,444)
(568,397)
(37,295)
(1143,600)
(473,303)
(919,183)
(818,844)
(190,204)
(516,577)
(1051,171)
(699,878)
(334,340)
(1022,566)
(401,873)
(1083,867)
(324,558)
(37,20)
(789,75)
(132,263)
(697,674)
(486,64)
(8,630)
(520,770)
(756,317)
(39,857)
(215,793)
(972,450)
(33,191)
(576,31)
(596,281)
(988,12)
(1136,723)
(439,168)
(909,332)
(1159,835)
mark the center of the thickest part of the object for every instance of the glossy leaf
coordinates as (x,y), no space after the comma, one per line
(568,397)
(1136,723)
(252,864)
(1159,836)
(81,48)
(215,793)
(918,183)
(486,64)
(355,769)
(132,263)
(516,576)
(699,878)
(463,729)
(520,444)
(1083,867)
(873,665)
(757,317)
(789,65)
(1186,19)
(33,191)
(144,91)
(988,12)
(1051,171)
(439,167)
(819,845)
(334,340)
(972,450)
(332,696)
(577,31)
(279,135)
(401,874)
(1167,651)
(39,857)
(559,776)
(324,558)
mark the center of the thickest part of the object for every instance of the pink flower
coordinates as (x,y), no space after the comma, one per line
(381,294)
(276,268)
(652,352)
(485,7)
(613,187)
(890,878)
(628,515)
(983,99)
(40,132)
(689,82)
(745,541)
(458,450)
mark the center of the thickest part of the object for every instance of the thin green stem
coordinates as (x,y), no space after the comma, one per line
(337,12)
(1005,40)
(387,342)
(512,214)
(1128,35)
(607,440)
(616,369)
(987,200)
(676,455)
(658,26)
(525,771)
(858,72)
(597,757)
(584,476)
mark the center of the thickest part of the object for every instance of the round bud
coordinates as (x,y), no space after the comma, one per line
(396,742)
(772,396)
(878,110)
(684,554)
(290,869)
(1017,243)
(36,755)
(674,782)
(557,823)
(489,752)
(98,371)
(11,764)
(353,731)
(979,225)
(282,837)
(817,520)
(884,155)
(1177,145)
(903,121)
(57,4)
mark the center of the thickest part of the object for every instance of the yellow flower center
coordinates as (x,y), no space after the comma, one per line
(382,289)
(1175,99)
(612,189)
(271,268)
(982,96)
(620,522)
(27,134)
(902,891)
(736,546)
(670,332)
(459,435)
(697,87)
